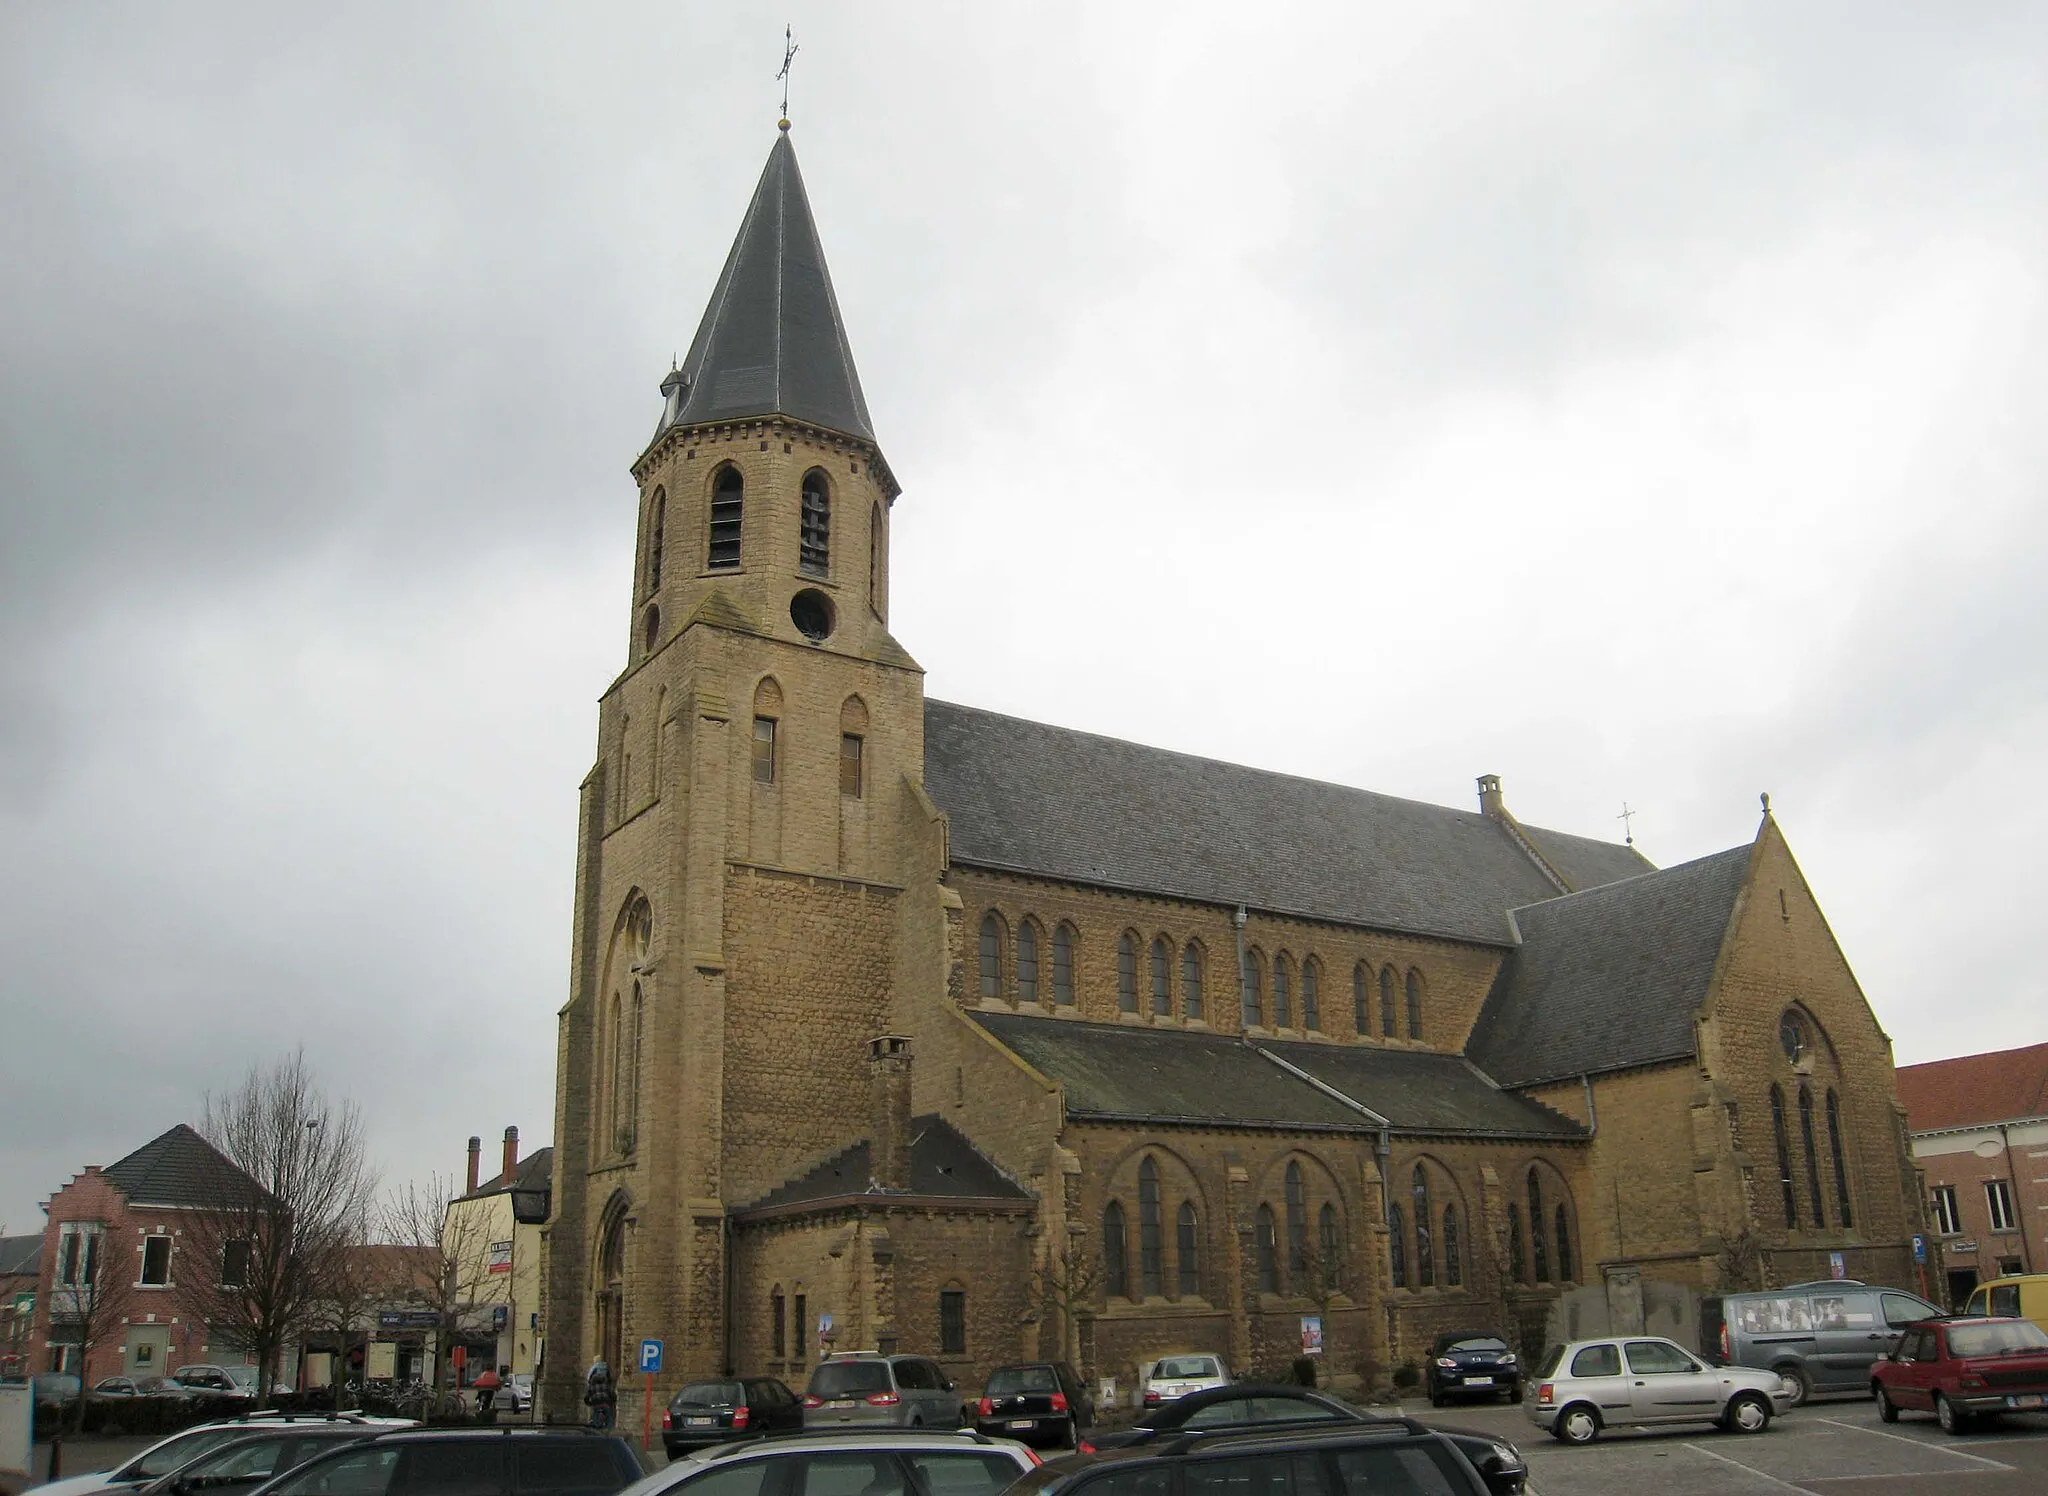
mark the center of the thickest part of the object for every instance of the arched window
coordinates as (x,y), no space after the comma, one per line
(1390,1008)
(1188,1249)
(1820,1214)
(1329,1250)
(1791,1196)
(632,1123)
(1425,1258)
(1151,1246)
(1517,1269)
(814,529)
(1361,1015)
(657,519)
(1414,1003)
(1116,1267)
(1063,966)
(853,738)
(1126,974)
(1027,962)
(728,499)
(1268,1250)
(1841,1164)
(952,1321)
(1311,999)
(1283,1007)
(1162,974)
(767,713)
(618,1070)
(991,955)
(1397,1247)
(778,1319)
(1191,980)
(1537,1248)
(1297,1229)
(875,559)
(1564,1246)
(1454,1262)
(1252,1002)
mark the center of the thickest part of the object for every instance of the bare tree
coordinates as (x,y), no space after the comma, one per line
(294,1192)
(1321,1277)
(88,1297)
(1067,1281)
(452,1247)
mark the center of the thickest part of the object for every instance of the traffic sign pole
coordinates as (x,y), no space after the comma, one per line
(650,1363)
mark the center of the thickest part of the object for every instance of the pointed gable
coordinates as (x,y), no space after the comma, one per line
(181,1168)
(1609,978)
(771,342)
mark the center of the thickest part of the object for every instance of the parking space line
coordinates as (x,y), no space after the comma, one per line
(1858,1428)
(1784,1485)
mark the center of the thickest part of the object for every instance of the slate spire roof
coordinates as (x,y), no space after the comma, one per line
(771,342)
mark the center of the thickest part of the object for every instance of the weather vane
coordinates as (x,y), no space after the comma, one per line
(789,50)
(1628,824)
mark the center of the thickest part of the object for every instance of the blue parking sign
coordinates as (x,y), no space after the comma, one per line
(1919,1247)
(650,1356)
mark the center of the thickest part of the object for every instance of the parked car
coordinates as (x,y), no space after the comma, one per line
(55,1389)
(126,1387)
(717,1412)
(872,1461)
(207,1378)
(260,1453)
(863,1387)
(1821,1337)
(1589,1385)
(1465,1363)
(1255,1407)
(1963,1369)
(1385,1457)
(518,1392)
(1177,1376)
(167,1455)
(2021,1296)
(561,1461)
(1035,1400)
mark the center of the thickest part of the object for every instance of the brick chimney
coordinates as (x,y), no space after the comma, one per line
(889,1111)
(1490,801)
(476,1155)
(511,1154)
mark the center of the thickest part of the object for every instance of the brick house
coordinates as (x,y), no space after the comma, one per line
(1980,1134)
(114,1288)
(20,1266)
(895,1021)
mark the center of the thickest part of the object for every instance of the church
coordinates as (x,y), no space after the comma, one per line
(897,1024)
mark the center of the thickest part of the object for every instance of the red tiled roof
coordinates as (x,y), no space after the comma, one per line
(1974,1089)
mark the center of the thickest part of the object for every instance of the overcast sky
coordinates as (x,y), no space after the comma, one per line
(1642,402)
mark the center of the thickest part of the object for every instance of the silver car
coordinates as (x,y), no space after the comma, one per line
(860,1387)
(1576,1390)
(880,1462)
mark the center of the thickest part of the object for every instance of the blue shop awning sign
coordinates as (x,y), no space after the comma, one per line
(407,1319)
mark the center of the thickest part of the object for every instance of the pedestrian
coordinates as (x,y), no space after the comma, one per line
(599,1395)
(486,1389)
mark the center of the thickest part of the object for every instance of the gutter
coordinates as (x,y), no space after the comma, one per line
(1592,1111)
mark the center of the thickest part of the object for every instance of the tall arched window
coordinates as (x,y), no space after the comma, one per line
(1537,1248)
(1397,1247)
(767,713)
(1517,1269)
(1564,1246)
(875,559)
(618,1071)
(778,1321)
(1361,1016)
(1414,1003)
(1297,1228)
(814,530)
(1126,974)
(1027,962)
(1254,1000)
(1784,1146)
(1268,1250)
(1063,966)
(1188,1251)
(1329,1249)
(1820,1214)
(1283,1006)
(1841,1163)
(1151,1245)
(1311,998)
(1454,1261)
(1390,1007)
(632,1125)
(991,955)
(1425,1257)
(1191,980)
(728,499)
(1162,978)
(1116,1266)
(657,520)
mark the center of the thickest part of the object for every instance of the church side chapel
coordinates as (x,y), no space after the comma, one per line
(901,1025)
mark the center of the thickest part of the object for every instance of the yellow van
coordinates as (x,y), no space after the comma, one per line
(2024,1296)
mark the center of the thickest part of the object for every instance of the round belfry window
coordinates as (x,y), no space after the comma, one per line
(1792,1037)
(811,611)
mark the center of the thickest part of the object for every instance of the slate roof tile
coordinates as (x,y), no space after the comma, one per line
(179,1167)
(1974,1089)
(20,1255)
(943,1165)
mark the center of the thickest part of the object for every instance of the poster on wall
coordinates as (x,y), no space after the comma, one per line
(1311,1334)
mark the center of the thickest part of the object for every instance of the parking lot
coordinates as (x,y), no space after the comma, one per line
(1831,1445)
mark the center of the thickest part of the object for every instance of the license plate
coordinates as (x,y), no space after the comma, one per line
(1028,1422)
(700,1422)
(2024,1400)
(1479,1381)
(842,1402)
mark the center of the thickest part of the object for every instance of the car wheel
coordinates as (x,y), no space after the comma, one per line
(1515,1393)
(1577,1424)
(1886,1408)
(1073,1435)
(1749,1413)
(1799,1382)
(1953,1420)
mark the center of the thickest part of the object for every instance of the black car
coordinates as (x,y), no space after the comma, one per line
(730,1408)
(1384,1457)
(1472,1363)
(248,1461)
(1034,1401)
(1256,1407)
(468,1462)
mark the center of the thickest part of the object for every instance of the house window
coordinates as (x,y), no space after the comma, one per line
(1283,995)
(1297,1229)
(156,1261)
(814,537)
(851,752)
(1998,1199)
(657,514)
(1397,1248)
(991,956)
(1564,1247)
(1537,1248)
(1785,1190)
(1517,1270)
(1191,980)
(78,1255)
(1414,1004)
(728,495)
(1820,1214)
(764,750)
(1115,1259)
(1948,1220)
(1389,1009)
(952,1322)
(1187,1245)
(1027,962)
(1063,966)
(234,1264)
(1126,974)
(1454,1264)
(1425,1258)
(1151,1230)
(1252,1002)
(1268,1249)
(1841,1163)
(1162,987)
(1311,1002)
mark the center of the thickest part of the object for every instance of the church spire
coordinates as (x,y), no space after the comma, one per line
(771,342)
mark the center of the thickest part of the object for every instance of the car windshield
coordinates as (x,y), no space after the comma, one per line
(172,1453)
(1011,1380)
(849,1378)
(1179,1368)
(1484,1345)
(709,1395)
(2013,1338)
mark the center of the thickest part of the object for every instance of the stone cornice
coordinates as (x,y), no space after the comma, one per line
(665,443)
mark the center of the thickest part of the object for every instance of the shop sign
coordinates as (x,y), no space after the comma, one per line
(407,1319)
(1965,1244)
(501,1257)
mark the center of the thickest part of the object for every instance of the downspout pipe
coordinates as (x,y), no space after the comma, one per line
(1592,1111)
(1243,982)
(725,1242)
(2012,1184)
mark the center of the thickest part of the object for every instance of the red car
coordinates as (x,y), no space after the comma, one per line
(1964,1369)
